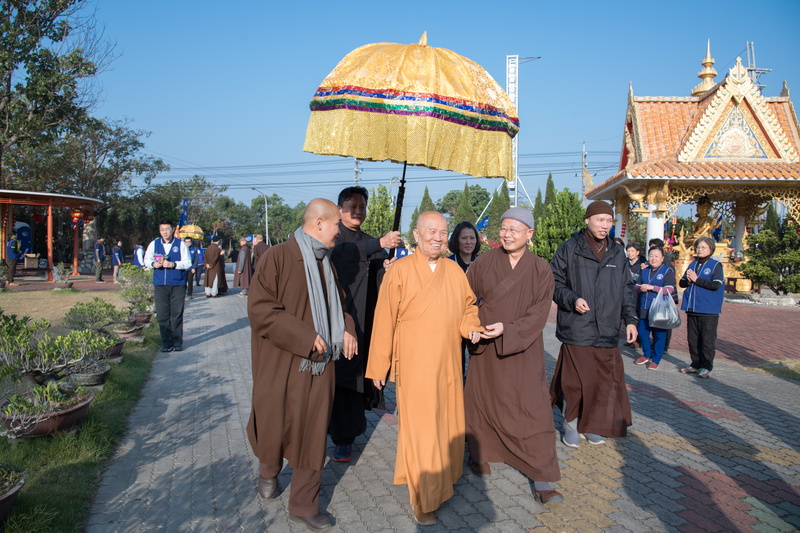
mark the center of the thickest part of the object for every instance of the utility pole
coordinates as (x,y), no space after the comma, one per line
(512,89)
(356,172)
(752,71)
(266,216)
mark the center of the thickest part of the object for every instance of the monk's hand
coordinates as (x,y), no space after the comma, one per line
(388,262)
(630,330)
(319,349)
(391,240)
(350,346)
(581,306)
(492,331)
(379,383)
(474,337)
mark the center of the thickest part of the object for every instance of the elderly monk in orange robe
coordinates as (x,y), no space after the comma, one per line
(425,307)
(299,328)
(507,400)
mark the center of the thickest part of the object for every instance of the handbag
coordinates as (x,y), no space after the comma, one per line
(663,313)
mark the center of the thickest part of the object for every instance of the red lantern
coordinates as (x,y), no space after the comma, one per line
(75,220)
(76,213)
(89,217)
(38,217)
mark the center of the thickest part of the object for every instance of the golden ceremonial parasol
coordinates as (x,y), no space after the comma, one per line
(414,104)
(195,232)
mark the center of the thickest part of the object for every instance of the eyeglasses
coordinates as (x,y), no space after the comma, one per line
(512,231)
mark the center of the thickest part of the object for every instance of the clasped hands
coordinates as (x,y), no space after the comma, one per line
(164,263)
(491,331)
(349,348)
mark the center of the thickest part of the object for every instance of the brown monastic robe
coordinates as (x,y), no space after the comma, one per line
(242,279)
(259,250)
(216,267)
(420,319)
(290,412)
(506,400)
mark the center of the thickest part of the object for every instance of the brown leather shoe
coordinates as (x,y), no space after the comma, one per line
(424,519)
(480,469)
(547,496)
(317,522)
(267,487)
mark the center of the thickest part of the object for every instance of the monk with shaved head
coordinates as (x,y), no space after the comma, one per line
(425,307)
(299,328)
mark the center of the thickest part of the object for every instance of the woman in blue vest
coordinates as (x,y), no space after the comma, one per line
(702,301)
(656,278)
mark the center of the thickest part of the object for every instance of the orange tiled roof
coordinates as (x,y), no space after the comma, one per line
(663,125)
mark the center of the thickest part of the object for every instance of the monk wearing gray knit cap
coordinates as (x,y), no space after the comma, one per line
(593,291)
(506,402)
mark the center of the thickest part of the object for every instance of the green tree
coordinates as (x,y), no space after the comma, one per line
(48,50)
(425,205)
(549,191)
(500,204)
(774,259)
(448,204)
(563,217)
(538,206)
(99,161)
(464,210)
(380,213)
(773,222)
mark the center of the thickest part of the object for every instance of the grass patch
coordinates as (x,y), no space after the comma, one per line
(785,369)
(63,470)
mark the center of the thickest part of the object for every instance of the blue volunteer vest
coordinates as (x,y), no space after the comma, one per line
(653,278)
(169,276)
(700,300)
(135,260)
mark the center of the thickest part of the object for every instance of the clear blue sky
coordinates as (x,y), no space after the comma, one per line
(224,87)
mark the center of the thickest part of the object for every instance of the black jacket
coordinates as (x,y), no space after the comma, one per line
(606,286)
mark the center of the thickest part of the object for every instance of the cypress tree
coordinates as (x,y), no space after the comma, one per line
(549,191)
(563,217)
(464,210)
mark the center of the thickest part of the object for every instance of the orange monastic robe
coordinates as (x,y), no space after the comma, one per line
(420,319)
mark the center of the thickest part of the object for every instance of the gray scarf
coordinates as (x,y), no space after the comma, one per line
(313,250)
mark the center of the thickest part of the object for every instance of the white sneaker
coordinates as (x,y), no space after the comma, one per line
(592,438)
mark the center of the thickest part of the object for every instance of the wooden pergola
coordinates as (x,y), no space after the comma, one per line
(9,199)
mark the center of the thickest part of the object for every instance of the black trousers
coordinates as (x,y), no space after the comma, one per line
(169,311)
(189,283)
(701,334)
(348,419)
(198,273)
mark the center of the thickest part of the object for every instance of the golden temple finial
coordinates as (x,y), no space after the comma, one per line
(707,74)
(423,41)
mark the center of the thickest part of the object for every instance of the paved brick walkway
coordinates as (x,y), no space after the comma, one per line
(703,455)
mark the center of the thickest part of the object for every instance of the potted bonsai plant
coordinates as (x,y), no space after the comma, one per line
(44,410)
(136,288)
(12,477)
(3,278)
(91,369)
(61,274)
(95,316)
(30,354)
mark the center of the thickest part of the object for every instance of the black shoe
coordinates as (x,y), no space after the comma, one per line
(267,488)
(318,522)
(167,349)
(177,348)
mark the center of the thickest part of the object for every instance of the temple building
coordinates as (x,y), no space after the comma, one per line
(726,148)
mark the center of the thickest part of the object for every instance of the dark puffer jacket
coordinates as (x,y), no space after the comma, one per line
(607,286)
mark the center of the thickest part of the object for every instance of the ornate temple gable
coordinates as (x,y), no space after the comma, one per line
(738,124)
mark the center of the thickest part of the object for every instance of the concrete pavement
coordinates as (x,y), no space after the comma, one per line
(703,455)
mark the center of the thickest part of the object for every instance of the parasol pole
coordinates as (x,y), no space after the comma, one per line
(398,209)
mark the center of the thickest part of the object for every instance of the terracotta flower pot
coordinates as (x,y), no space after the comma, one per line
(57,421)
(143,318)
(129,332)
(8,498)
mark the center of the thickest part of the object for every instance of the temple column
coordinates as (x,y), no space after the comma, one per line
(741,229)
(655,226)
